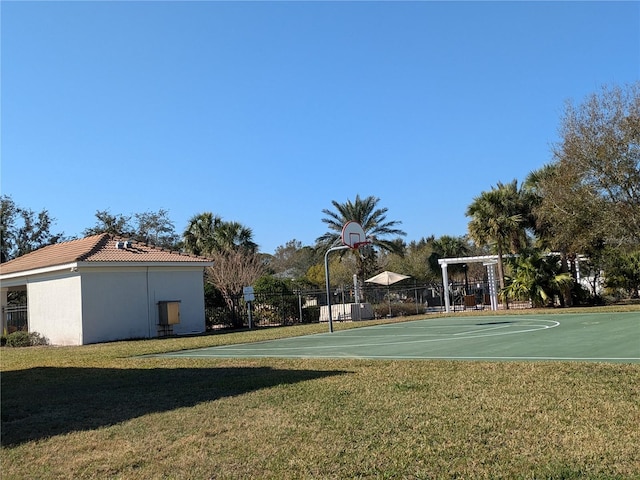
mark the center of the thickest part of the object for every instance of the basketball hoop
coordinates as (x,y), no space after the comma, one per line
(353,235)
(356,246)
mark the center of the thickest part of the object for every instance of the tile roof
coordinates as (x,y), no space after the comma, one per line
(97,248)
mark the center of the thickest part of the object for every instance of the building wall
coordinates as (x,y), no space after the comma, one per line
(183,285)
(122,303)
(98,304)
(55,308)
(114,304)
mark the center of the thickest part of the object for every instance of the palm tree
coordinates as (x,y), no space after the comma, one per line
(234,236)
(448,247)
(564,221)
(538,278)
(499,218)
(197,238)
(207,233)
(537,185)
(374,222)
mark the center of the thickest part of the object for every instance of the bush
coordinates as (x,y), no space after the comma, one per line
(19,339)
(381,310)
(311,314)
(218,317)
(25,339)
(37,339)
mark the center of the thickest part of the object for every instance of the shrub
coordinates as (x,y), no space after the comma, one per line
(311,314)
(217,317)
(37,339)
(19,339)
(25,339)
(381,310)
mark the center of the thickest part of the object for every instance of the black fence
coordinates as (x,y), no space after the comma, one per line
(290,308)
(269,309)
(15,318)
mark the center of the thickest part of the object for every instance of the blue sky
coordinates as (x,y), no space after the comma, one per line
(265,112)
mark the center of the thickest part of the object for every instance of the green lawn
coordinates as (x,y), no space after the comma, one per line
(101,411)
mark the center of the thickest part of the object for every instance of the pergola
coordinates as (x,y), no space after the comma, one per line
(489,261)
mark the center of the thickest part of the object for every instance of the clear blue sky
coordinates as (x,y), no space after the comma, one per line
(265,112)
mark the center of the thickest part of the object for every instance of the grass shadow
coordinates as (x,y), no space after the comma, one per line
(41,402)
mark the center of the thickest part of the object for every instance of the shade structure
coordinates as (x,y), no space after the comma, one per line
(387,278)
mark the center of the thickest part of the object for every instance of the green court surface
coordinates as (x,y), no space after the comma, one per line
(588,337)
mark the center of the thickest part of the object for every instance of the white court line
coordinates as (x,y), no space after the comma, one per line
(250,347)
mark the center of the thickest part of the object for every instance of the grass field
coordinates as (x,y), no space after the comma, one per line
(102,411)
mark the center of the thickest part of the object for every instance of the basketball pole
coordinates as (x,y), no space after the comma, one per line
(326,276)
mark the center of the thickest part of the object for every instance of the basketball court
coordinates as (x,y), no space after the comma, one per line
(583,337)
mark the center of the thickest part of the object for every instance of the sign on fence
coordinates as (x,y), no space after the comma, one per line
(249,295)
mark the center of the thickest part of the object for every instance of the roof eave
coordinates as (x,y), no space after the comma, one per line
(94,264)
(38,271)
(74,266)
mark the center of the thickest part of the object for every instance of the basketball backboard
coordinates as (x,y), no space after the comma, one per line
(353,235)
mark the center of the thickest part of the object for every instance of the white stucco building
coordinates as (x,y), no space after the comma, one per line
(102,288)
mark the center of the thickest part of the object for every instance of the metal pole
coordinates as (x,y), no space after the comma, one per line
(357,297)
(466,279)
(326,276)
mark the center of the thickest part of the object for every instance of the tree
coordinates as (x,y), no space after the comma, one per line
(156,228)
(341,270)
(276,300)
(598,156)
(231,271)
(564,220)
(207,234)
(587,201)
(152,228)
(623,272)
(537,277)
(448,247)
(292,260)
(118,225)
(22,230)
(233,236)
(197,238)
(414,261)
(316,276)
(373,221)
(8,213)
(499,218)
(230,245)
(568,216)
